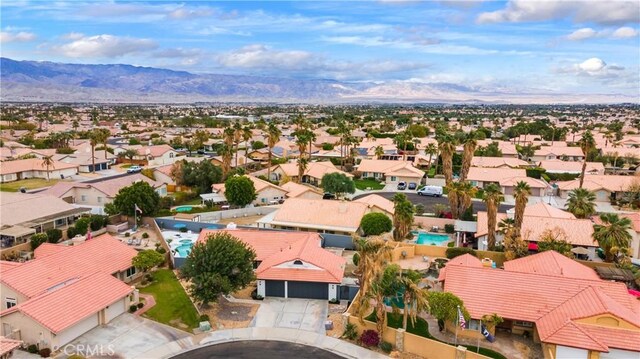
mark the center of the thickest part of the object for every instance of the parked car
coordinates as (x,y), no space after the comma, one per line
(402,186)
(134,169)
(433,191)
(328,195)
(413,185)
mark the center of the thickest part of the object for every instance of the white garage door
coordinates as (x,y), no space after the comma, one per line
(619,354)
(114,310)
(77,330)
(571,353)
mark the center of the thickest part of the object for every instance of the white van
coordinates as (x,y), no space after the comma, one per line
(433,191)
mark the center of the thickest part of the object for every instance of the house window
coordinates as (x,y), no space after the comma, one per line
(83,198)
(394,178)
(131,271)
(59,222)
(99,199)
(297,262)
(10,302)
(170,154)
(474,324)
(520,323)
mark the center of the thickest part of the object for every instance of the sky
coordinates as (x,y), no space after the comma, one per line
(590,47)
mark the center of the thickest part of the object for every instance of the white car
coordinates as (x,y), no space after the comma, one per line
(433,191)
(134,169)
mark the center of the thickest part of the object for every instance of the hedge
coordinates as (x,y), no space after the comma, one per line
(458,251)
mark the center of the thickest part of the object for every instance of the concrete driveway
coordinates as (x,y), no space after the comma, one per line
(303,314)
(128,336)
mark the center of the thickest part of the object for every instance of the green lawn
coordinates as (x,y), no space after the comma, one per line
(363,184)
(422,329)
(172,302)
(31,183)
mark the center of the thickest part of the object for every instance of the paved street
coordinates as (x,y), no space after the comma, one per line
(430,202)
(258,349)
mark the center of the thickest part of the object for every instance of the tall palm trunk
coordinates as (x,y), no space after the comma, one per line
(447,166)
(492,212)
(93,158)
(469,149)
(584,168)
(269,165)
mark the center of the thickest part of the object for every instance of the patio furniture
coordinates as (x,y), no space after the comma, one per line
(130,241)
(425,259)
(435,229)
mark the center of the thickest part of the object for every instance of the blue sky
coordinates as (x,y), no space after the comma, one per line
(516,45)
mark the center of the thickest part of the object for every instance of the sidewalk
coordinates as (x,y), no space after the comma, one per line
(321,341)
(149,302)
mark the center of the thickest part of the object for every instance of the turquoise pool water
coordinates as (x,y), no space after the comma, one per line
(183,208)
(184,249)
(432,238)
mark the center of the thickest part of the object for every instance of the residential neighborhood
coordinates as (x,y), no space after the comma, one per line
(448,243)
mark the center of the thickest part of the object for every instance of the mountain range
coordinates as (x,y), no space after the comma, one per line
(43,81)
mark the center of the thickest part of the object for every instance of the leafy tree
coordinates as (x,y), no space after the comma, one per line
(54,235)
(147,259)
(613,235)
(491,150)
(199,175)
(140,194)
(375,223)
(129,153)
(444,306)
(581,203)
(337,183)
(555,239)
(37,239)
(256,145)
(220,265)
(239,190)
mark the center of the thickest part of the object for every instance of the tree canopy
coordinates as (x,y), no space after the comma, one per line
(444,306)
(147,259)
(375,223)
(337,183)
(220,265)
(139,194)
(199,175)
(239,190)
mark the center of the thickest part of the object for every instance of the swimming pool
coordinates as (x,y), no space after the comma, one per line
(184,249)
(432,238)
(183,208)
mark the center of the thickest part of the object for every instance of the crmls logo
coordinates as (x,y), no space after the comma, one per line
(88,350)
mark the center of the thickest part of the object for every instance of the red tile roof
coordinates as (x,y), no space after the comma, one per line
(87,295)
(101,254)
(6,265)
(7,345)
(552,263)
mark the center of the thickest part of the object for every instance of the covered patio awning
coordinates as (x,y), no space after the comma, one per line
(17,231)
(580,250)
(213,197)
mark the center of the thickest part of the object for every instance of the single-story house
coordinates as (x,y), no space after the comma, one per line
(291,264)
(505,177)
(317,215)
(557,166)
(96,195)
(565,153)
(508,149)
(296,190)
(85,163)
(267,192)
(498,162)
(557,301)
(390,172)
(66,291)
(34,168)
(538,186)
(605,187)
(378,203)
(154,155)
(312,175)
(634,231)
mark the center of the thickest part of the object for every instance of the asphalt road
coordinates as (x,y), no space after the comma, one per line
(430,202)
(262,349)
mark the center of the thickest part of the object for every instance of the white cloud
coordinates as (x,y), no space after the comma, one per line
(582,34)
(21,36)
(601,12)
(596,68)
(184,13)
(261,56)
(592,65)
(105,46)
(72,36)
(624,33)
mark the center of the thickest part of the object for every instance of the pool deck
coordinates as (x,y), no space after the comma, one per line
(415,263)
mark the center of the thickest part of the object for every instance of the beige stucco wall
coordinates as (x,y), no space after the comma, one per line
(31,332)
(269,194)
(606,320)
(6,291)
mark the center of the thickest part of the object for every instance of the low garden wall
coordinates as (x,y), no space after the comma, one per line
(428,222)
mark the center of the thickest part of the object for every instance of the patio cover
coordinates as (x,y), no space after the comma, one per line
(580,250)
(16,231)
(213,197)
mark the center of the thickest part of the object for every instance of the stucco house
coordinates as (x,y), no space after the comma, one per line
(558,166)
(34,168)
(498,162)
(296,190)
(267,192)
(66,291)
(605,187)
(391,172)
(312,175)
(564,153)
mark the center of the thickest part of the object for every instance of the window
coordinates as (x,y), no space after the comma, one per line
(83,198)
(474,324)
(131,271)
(10,302)
(60,222)
(170,154)
(523,324)
(99,199)
(394,178)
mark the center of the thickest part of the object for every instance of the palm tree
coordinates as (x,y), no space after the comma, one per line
(402,216)
(246,136)
(522,192)
(226,152)
(587,143)
(470,144)
(431,150)
(103,138)
(447,147)
(612,235)
(581,203)
(492,197)
(460,194)
(94,139)
(47,161)
(416,299)
(379,152)
(302,167)
(237,136)
(273,136)
(302,140)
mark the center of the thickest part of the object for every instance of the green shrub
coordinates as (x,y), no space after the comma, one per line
(37,239)
(45,352)
(54,235)
(133,308)
(145,235)
(127,234)
(140,305)
(562,176)
(449,228)
(356,259)
(204,318)
(161,250)
(350,332)
(33,349)
(97,222)
(458,251)
(386,347)
(82,225)
(71,232)
(375,223)
(535,172)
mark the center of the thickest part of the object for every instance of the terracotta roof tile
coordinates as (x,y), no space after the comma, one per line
(552,263)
